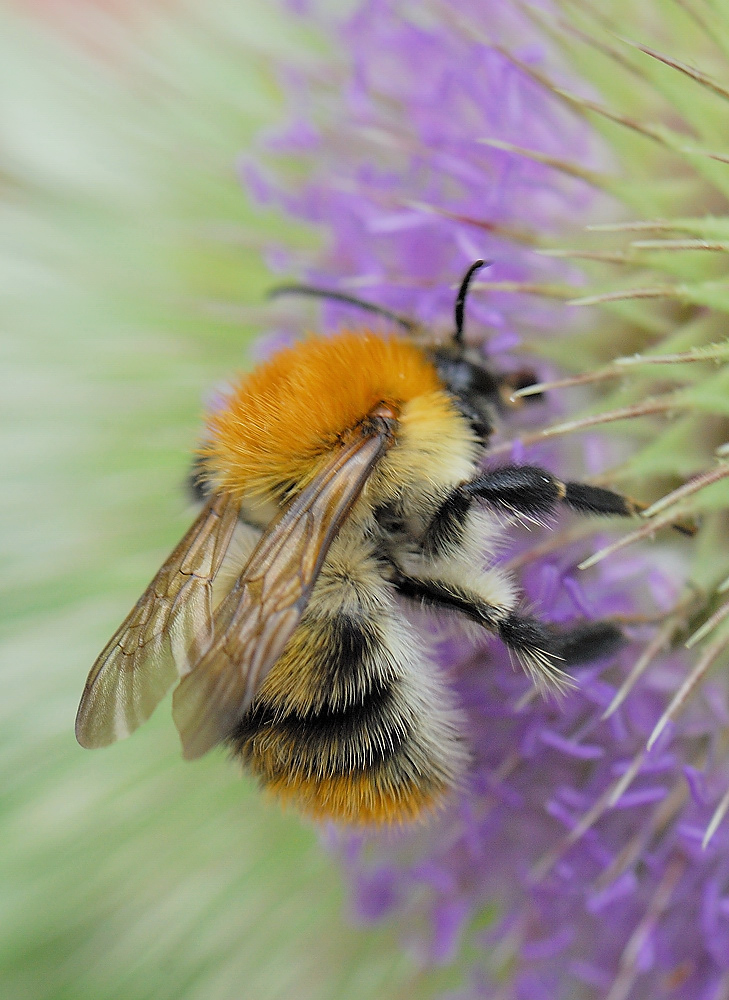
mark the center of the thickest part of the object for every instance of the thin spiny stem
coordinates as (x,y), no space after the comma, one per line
(696,74)
(554,542)
(511,233)
(526,699)
(601,46)
(660,404)
(665,137)
(695,244)
(626,780)
(617,368)
(595,14)
(605,256)
(544,290)
(629,966)
(679,700)
(601,181)
(662,815)
(657,644)
(667,225)
(612,794)
(709,352)
(605,801)
(577,104)
(584,378)
(580,104)
(624,294)
(645,531)
(548,860)
(709,154)
(650,407)
(706,227)
(719,814)
(708,626)
(687,490)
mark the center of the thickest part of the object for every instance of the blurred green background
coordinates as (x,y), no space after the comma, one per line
(132,278)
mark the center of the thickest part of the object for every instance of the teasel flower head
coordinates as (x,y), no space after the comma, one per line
(582,150)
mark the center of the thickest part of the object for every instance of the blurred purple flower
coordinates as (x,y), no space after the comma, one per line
(572,865)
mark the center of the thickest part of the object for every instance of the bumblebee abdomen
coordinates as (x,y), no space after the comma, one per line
(354,723)
(376,761)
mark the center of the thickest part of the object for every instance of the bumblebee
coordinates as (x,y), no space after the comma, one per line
(342,481)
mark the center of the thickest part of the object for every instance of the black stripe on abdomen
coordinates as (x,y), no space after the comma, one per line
(326,743)
(348,660)
(331,663)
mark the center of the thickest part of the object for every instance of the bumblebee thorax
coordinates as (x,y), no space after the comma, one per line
(280,419)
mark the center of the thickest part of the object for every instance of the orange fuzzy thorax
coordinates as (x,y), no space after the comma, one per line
(285,415)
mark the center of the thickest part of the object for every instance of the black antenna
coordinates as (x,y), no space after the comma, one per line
(461,297)
(350,300)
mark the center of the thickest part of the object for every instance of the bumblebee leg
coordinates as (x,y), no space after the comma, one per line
(198,485)
(542,648)
(588,641)
(532,491)
(525,490)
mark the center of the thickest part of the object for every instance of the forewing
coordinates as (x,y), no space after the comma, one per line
(254,622)
(166,633)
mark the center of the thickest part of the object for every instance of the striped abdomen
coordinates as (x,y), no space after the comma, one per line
(353,723)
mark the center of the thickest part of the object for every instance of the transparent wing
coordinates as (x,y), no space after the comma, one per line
(167,631)
(254,622)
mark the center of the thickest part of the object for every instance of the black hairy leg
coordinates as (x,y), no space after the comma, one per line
(525,490)
(529,491)
(534,492)
(580,643)
(542,648)
(587,641)
(446,597)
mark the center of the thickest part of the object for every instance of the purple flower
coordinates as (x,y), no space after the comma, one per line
(572,865)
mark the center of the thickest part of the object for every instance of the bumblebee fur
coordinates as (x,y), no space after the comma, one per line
(353,721)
